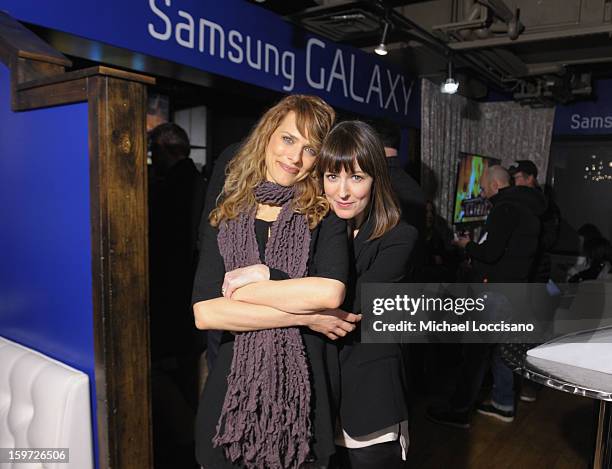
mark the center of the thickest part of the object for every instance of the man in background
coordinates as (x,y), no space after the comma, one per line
(525,173)
(410,195)
(176,195)
(504,254)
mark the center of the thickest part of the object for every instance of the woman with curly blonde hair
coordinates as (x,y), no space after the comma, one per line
(272,260)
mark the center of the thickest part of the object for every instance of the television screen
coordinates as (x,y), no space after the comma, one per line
(470,205)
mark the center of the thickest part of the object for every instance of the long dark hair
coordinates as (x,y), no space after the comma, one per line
(355,141)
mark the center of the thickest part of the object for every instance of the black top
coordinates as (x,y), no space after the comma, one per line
(373,376)
(328,258)
(513,230)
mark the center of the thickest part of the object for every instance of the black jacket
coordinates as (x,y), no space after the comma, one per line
(409,194)
(412,200)
(217,179)
(513,231)
(373,378)
(549,234)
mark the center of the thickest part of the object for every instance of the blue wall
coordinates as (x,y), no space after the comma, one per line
(45,240)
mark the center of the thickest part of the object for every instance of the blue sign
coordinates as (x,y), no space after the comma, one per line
(587,117)
(235,39)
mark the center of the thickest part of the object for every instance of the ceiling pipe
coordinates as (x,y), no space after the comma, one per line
(533,37)
(437,44)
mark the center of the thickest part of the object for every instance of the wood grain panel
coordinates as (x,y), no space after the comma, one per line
(119,252)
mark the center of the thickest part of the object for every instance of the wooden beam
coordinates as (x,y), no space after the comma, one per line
(18,41)
(117,150)
(88,72)
(65,88)
(54,94)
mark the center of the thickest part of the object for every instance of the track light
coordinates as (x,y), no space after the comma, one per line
(450,86)
(381,49)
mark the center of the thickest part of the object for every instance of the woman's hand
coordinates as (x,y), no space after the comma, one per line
(333,323)
(240,277)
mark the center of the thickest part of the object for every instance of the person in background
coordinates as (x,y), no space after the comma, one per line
(176,194)
(440,257)
(373,423)
(586,233)
(408,192)
(504,254)
(525,173)
(598,253)
(411,200)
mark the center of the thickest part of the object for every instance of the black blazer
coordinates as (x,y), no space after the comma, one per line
(373,394)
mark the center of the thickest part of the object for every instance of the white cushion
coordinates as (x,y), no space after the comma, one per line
(44,404)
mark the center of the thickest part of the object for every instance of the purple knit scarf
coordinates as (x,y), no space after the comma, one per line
(265,420)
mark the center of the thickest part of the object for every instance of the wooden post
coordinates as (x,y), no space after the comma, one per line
(117,150)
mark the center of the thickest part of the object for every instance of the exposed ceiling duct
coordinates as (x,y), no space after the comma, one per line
(541,53)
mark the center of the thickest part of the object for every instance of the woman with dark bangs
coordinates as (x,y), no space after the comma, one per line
(373,420)
(272,260)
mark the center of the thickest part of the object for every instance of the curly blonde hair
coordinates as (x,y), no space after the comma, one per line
(314,117)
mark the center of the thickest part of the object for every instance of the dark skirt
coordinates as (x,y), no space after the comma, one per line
(324,378)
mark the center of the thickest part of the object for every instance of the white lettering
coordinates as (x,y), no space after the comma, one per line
(189,27)
(377,89)
(317,85)
(416,305)
(289,71)
(238,56)
(275,61)
(406,95)
(393,85)
(270,48)
(212,28)
(585,123)
(252,64)
(354,95)
(597,122)
(592,122)
(157,35)
(341,75)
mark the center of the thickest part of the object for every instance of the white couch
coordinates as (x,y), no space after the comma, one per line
(43,404)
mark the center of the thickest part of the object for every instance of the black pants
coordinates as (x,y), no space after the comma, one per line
(476,359)
(383,455)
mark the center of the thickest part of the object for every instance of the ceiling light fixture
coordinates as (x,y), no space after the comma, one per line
(450,86)
(381,49)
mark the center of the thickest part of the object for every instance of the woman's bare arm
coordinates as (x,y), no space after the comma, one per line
(236,316)
(298,296)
